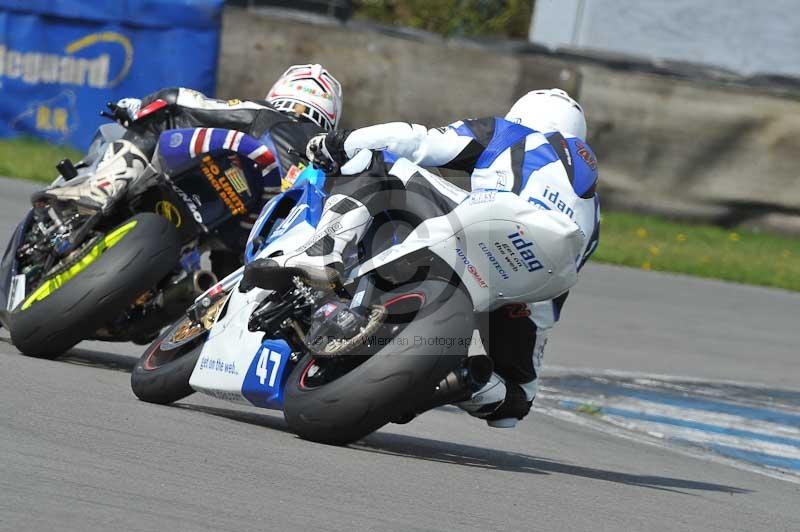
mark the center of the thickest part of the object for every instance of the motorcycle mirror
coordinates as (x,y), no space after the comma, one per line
(66,169)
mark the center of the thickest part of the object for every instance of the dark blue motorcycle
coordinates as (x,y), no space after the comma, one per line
(70,275)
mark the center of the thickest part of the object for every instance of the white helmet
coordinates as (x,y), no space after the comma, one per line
(549,110)
(310,91)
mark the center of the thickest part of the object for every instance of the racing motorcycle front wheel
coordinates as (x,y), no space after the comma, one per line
(426,335)
(98,284)
(162,373)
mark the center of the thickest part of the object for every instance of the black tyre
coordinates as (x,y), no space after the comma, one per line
(138,259)
(401,374)
(162,373)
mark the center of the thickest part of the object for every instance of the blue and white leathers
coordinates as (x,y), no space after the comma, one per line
(553,173)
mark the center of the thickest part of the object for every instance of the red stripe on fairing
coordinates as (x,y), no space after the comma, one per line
(228,142)
(207,141)
(265,159)
(198,143)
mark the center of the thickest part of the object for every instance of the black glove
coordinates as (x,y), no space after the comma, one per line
(317,152)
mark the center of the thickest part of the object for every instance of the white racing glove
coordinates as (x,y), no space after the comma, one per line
(131,105)
(317,152)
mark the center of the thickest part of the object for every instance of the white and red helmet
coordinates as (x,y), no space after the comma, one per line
(549,110)
(309,91)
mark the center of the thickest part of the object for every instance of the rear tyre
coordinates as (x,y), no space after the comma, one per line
(162,373)
(99,292)
(403,372)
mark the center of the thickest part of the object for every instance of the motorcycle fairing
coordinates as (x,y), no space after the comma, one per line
(303,203)
(223,169)
(509,239)
(265,378)
(229,351)
(178,148)
(242,366)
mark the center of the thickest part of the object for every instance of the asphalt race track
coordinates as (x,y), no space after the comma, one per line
(78,452)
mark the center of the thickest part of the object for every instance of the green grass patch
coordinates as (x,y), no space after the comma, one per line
(653,243)
(33,159)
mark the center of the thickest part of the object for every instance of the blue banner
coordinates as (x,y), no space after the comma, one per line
(62,60)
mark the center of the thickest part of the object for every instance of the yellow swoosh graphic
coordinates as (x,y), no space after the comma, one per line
(110,37)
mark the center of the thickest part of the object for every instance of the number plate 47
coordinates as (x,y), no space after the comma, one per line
(268,364)
(269,368)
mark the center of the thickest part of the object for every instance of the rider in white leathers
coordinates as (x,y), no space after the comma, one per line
(538,151)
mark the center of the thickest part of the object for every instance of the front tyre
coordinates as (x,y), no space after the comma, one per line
(71,305)
(162,373)
(436,324)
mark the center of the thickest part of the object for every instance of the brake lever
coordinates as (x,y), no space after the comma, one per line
(330,169)
(118,114)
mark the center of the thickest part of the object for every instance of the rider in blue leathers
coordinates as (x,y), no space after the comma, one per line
(306,100)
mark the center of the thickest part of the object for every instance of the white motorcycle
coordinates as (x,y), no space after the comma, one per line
(388,344)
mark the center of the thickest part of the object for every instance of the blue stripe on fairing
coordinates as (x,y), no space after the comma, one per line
(217,140)
(753,457)
(760,414)
(704,427)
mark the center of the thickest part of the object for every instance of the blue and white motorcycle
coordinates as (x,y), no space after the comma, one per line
(341,362)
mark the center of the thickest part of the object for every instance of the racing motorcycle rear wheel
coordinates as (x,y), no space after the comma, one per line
(426,335)
(107,277)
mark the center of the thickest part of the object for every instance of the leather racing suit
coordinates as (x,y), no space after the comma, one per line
(549,170)
(176,108)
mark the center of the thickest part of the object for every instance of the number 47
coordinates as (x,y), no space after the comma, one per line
(261,368)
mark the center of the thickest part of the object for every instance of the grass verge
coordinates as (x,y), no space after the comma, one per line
(33,159)
(653,243)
